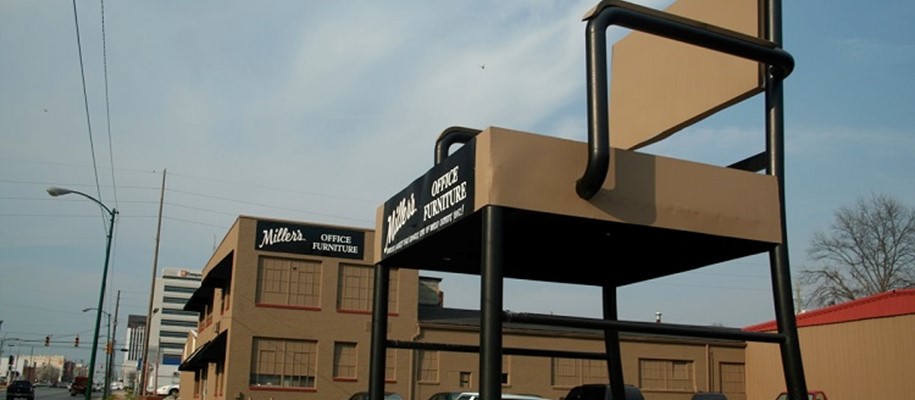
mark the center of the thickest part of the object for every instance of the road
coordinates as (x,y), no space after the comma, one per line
(46,393)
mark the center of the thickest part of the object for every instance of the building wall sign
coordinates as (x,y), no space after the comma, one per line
(308,239)
(437,199)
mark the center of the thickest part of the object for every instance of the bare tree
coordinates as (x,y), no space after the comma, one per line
(48,373)
(869,249)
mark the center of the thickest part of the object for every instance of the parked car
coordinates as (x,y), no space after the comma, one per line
(78,386)
(811,395)
(709,396)
(365,396)
(117,385)
(20,389)
(168,390)
(598,391)
(445,396)
(505,396)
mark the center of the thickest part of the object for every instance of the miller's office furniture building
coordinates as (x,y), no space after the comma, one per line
(285,313)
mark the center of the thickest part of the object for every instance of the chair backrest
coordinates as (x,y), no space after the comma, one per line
(702,35)
(659,86)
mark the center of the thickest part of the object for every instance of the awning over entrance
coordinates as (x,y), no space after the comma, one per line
(218,277)
(213,351)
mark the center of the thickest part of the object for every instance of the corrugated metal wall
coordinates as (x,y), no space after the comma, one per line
(859,360)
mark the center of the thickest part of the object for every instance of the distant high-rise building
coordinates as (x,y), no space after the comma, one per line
(169,325)
(136,331)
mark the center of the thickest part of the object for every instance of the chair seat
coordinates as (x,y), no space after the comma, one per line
(654,216)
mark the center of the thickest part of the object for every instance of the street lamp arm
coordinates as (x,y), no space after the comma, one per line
(93,308)
(59,191)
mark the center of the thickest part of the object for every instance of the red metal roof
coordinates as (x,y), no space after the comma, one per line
(887,304)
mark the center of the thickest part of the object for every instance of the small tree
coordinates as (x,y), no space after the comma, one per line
(47,373)
(869,249)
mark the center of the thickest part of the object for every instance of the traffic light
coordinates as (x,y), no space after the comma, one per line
(76,341)
(47,341)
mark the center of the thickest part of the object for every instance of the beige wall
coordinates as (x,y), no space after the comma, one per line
(868,359)
(529,374)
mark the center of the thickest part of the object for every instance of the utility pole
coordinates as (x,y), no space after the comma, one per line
(111,345)
(31,363)
(144,373)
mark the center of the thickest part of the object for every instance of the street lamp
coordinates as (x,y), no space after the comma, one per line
(108,356)
(54,192)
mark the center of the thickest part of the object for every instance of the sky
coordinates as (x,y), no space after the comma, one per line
(321,111)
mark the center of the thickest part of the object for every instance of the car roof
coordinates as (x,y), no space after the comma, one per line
(365,395)
(505,396)
(709,396)
(448,395)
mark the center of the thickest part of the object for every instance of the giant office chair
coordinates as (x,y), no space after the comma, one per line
(522,205)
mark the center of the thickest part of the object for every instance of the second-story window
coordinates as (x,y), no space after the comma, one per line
(288,282)
(356,288)
(355,292)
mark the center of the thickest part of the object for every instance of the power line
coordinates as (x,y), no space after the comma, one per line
(286,190)
(82,71)
(266,206)
(108,106)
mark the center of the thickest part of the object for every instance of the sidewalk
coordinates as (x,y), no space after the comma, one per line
(125,395)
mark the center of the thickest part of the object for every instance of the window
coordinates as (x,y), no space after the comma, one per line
(506,370)
(464,379)
(732,377)
(345,361)
(209,312)
(428,366)
(288,282)
(171,359)
(220,376)
(179,289)
(283,363)
(197,375)
(225,298)
(564,372)
(356,286)
(172,311)
(390,366)
(594,371)
(568,372)
(393,290)
(175,322)
(174,300)
(198,393)
(672,375)
(170,345)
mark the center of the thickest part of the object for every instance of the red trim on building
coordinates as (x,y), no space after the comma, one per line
(887,304)
(288,307)
(283,388)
